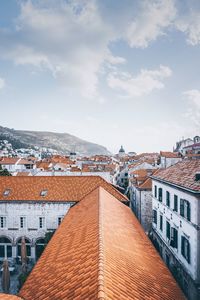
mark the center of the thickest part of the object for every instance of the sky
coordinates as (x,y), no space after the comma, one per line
(110,72)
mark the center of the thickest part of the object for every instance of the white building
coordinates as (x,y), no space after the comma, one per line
(16,164)
(168,159)
(32,206)
(176,222)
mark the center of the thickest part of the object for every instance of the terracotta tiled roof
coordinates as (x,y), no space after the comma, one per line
(147,184)
(168,154)
(101,252)
(59,188)
(9,297)
(9,160)
(23,174)
(182,174)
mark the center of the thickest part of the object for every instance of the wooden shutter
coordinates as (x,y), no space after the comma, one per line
(188,211)
(182,245)
(182,207)
(188,251)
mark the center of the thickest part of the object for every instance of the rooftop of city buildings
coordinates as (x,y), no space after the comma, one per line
(55,188)
(182,174)
(100,251)
(169,154)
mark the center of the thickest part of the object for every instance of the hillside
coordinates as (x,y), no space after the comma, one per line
(62,142)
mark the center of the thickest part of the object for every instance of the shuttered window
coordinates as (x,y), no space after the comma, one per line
(155,191)
(161,222)
(154,216)
(185,210)
(167,229)
(175,203)
(167,198)
(185,248)
(174,238)
(160,194)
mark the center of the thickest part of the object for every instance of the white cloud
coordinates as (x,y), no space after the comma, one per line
(68,38)
(190,25)
(142,84)
(2,83)
(151,22)
(193,112)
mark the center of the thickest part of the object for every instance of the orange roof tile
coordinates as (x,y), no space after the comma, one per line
(9,160)
(96,254)
(23,174)
(181,174)
(169,154)
(60,188)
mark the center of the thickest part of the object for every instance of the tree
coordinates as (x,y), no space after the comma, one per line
(4,172)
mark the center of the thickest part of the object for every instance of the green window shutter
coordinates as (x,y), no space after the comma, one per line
(188,252)
(155,191)
(168,229)
(175,238)
(175,203)
(188,211)
(182,207)
(182,245)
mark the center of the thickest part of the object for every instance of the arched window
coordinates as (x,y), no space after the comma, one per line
(28,247)
(5,247)
(39,247)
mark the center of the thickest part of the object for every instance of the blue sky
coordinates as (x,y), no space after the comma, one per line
(111,72)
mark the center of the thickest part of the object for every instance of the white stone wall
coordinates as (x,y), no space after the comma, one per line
(184,227)
(32,211)
(146,210)
(167,162)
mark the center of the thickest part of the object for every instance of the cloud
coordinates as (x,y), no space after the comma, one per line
(142,84)
(2,83)
(152,20)
(68,38)
(190,25)
(193,112)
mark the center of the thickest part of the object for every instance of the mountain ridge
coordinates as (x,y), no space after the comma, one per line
(62,142)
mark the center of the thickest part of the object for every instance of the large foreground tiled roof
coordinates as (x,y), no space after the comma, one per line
(59,188)
(182,174)
(100,252)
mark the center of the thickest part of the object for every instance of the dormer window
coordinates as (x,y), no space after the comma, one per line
(6,192)
(43,193)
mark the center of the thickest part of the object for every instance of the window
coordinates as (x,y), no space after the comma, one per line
(161,222)
(59,220)
(174,238)
(168,230)
(160,194)
(43,193)
(167,198)
(2,222)
(155,191)
(6,192)
(5,247)
(185,248)
(175,203)
(154,216)
(22,222)
(28,247)
(185,209)
(41,222)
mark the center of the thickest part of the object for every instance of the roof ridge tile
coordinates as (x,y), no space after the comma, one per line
(101,293)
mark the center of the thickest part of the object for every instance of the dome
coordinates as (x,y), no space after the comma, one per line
(121,150)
